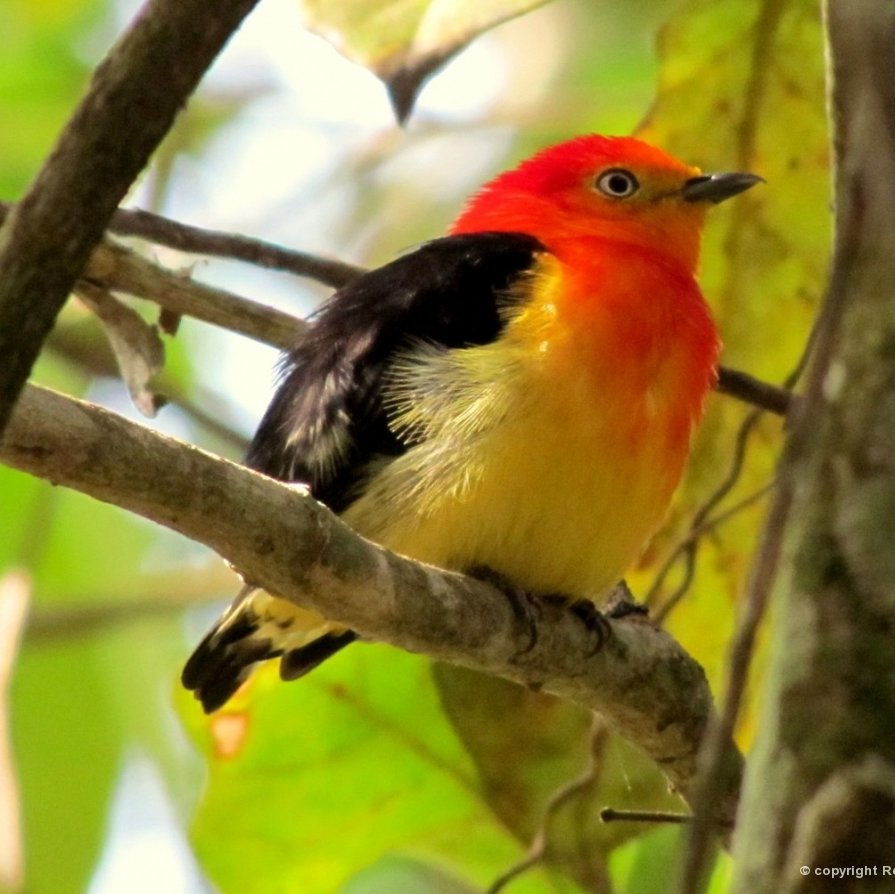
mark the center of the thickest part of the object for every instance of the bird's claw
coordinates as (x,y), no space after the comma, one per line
(594,621)
(527,611)
(526,608)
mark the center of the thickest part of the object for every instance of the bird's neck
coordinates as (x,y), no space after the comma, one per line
(635,320)
(664,236)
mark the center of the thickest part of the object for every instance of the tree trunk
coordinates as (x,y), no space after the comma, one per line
(818,812)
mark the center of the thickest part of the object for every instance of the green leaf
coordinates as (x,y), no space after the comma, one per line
(311,783)
(742,88)
(68,747)
(540,747)
(405,42)
(41,76)
(394,875)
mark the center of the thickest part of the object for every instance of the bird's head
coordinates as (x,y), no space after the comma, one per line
(615,188)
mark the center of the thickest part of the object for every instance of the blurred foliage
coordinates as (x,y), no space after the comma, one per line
(406,43)
(381,772)
(742,88)
(386,34)
(317,782)
(41,75)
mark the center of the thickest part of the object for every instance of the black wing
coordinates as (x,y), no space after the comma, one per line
(326,421)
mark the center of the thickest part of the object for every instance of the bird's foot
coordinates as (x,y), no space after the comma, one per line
(525,606)
(595,622)
(528,607)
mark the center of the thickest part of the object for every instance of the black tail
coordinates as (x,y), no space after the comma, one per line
(222,662)
(298,662)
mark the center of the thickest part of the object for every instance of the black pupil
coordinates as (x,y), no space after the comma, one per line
(619,184)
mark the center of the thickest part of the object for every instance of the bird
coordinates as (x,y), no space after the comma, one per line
(516,397)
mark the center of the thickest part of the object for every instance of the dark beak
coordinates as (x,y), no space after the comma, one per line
(718,187)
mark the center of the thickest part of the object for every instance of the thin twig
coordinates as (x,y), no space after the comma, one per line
(753,391)
(687,547)
(532,858)
(784,398)
(611,815)
(121,270)
(690,544)
(537,850)
(196,240)
(705,820)
(183,237)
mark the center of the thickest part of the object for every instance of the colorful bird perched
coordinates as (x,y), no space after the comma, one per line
(518,396)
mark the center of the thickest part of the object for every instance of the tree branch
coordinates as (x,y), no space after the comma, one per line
(821,791)
(155,228)
(753,391)
(49,235)
(119,269)
(641,680)
(216,243)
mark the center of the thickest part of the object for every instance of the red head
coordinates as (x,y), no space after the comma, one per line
(612,188)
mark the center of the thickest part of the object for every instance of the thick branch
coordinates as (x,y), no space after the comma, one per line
(641,681)
(821,791)
(132,101)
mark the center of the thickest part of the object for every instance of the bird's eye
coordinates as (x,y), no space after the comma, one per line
(617,183)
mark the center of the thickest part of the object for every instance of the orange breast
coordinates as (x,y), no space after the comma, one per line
(551,455)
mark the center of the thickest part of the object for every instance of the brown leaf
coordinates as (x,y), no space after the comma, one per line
(169,321)
(137,346)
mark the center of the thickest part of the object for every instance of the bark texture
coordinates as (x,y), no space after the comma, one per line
(820,793)
(639,678)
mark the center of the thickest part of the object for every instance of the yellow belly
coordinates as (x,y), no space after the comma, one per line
(537,460)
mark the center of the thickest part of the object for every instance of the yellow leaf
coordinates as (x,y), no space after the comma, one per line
(405,41)
(742,88)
